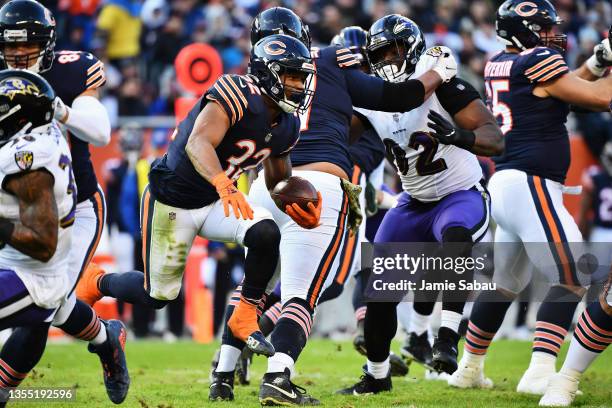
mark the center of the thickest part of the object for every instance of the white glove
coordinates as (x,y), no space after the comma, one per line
(445,64)
(601,58)
(61,111)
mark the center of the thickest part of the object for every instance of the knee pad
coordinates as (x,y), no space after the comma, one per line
(264,235)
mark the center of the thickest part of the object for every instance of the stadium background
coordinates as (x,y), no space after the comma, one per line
(147,90)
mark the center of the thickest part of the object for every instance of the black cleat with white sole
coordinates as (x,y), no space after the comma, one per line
(398,367)
(221,386)
(445,351)
(368,385)
(258,344)
(417,348)
(277,390)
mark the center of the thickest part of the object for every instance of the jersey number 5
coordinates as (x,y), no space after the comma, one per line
(493,89)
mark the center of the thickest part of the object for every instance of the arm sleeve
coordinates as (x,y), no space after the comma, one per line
(89,121)
(373,93)
(229,94)
(456,95)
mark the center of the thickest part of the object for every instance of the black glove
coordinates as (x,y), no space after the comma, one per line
(446,133)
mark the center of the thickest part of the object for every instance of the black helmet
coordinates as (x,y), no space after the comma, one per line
(276,55)
(279,20)
(518,24)
(355,39)
(26,102)
(400,34)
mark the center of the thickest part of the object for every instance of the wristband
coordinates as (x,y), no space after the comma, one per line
(593,66)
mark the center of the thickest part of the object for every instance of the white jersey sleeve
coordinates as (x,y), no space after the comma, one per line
(428,170)
(45,148)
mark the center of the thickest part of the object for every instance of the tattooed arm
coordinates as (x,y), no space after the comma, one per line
(35,234)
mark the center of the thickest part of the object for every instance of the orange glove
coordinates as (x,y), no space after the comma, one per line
(306,219)
(230,195)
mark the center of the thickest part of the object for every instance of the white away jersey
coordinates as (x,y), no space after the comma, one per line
(42,148)
(429,170)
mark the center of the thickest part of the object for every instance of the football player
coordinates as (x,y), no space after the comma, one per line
(27,41)
(238,124)
(529,89)
(443,201)
(592,335)
(309,258)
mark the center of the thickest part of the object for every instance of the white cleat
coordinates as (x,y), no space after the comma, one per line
(431,375)
(561,391)
(469,375)
(535,379)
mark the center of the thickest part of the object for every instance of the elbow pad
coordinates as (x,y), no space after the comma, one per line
(403,96)
(89,121)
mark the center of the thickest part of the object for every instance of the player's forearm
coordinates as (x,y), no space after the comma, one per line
(488,141)
(38,241)
(584,73)
(88,120)
(276,169)
(203,157)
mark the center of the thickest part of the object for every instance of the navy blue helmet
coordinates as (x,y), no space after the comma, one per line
(521,24)
(279,20)
(26,102)
(28,22)
(277,55)
(395,44)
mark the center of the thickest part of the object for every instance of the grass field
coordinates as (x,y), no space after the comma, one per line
(176,375)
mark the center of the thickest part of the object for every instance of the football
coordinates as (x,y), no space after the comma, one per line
(294,190)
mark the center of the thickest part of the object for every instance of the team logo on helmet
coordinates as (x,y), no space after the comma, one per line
(399,27)
(24,159)
(526,9)
(17,86)
(275,47)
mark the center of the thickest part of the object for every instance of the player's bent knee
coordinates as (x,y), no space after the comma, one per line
(263,235)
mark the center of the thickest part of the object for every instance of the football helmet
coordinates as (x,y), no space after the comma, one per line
(28,22)
(394,46)
(26,102)
(275,56)
(521,24)
(279,20)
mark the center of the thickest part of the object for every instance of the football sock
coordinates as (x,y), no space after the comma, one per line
(21,352)
(262,240)
(379,329)
(268,320)
(404,314)
(279,361)
(553,320)
(487,317)
(419,323)
(84,324)
(451,320)
(128,287)
(292,329)
(378,370)
(593,334)
(228,357)
(361,280)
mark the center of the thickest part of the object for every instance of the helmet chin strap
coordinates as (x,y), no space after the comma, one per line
(287,106)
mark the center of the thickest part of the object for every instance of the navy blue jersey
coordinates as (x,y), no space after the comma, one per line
(339,85)
(599,182)
(535,135)
(72,73)
(250,139)
(368,151)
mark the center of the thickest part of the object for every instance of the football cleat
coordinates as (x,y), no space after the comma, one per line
(368,385)
(221,386)
(535,379)
(469,375)
(397,366)
(213,364)
(417,348)
(87,288)
(243,325)
(277,390)
(112,357)
(444,351)
(560,392)
(431,375)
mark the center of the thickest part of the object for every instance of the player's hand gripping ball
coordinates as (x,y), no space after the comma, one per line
(298,198)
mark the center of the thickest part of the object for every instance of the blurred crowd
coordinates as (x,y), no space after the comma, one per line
(139,40)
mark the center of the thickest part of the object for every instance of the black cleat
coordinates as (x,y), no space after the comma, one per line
(258,344)
(445,350)
(398,367)
(417,348)
(368,385)
(277,389)
(221,386)
(243,367)
(112,357)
